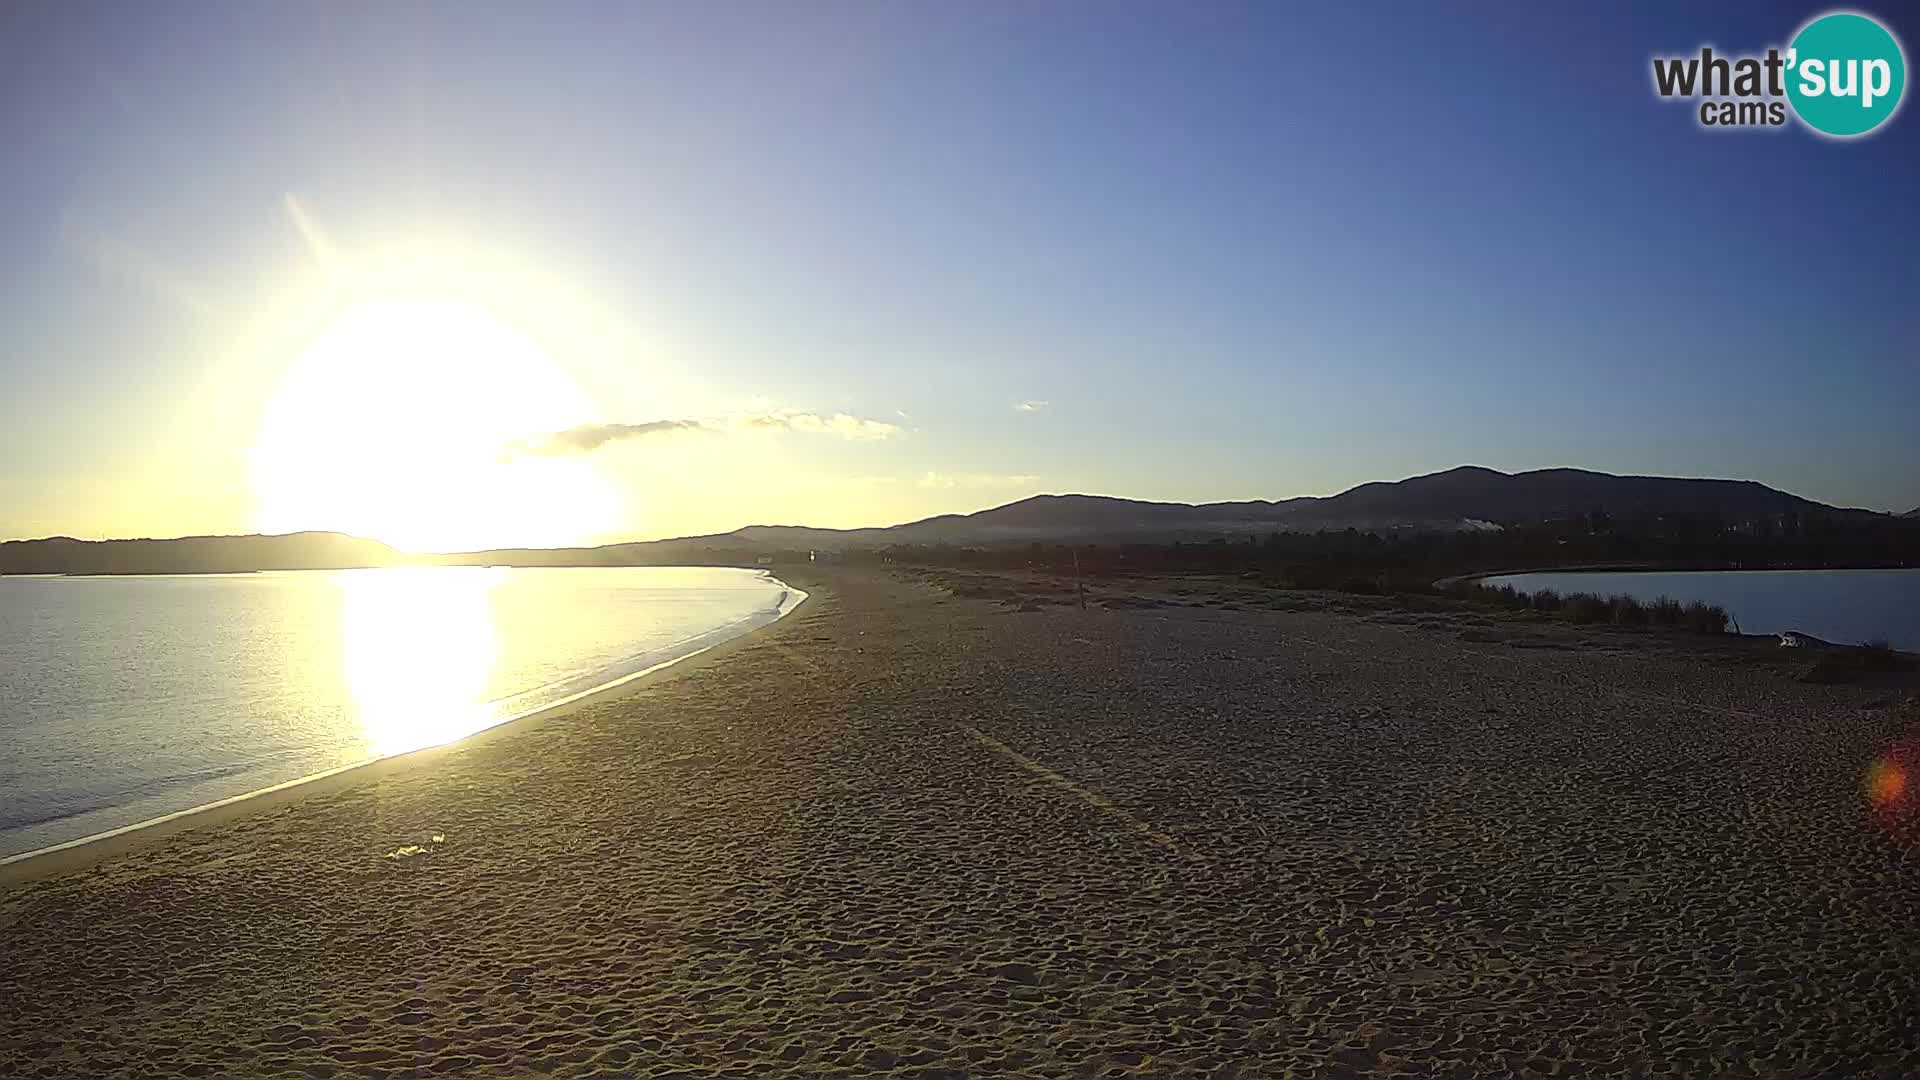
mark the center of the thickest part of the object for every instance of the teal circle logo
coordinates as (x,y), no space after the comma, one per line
(1845,74)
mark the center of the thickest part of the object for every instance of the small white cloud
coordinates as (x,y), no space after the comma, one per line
(587,438)
(1030,406)
(975,480)
(841,424)
(590,437)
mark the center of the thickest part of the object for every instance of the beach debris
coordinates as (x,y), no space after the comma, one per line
(407,851)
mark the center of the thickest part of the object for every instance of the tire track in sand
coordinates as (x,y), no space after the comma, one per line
(1087,795)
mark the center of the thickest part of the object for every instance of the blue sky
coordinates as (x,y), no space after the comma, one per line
(1239,251)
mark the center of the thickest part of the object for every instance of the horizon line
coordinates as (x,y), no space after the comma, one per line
(914,521)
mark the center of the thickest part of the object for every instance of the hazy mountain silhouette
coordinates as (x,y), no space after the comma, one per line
(1467,497)
(194,554)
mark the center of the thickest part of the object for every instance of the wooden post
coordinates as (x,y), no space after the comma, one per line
(1077,584)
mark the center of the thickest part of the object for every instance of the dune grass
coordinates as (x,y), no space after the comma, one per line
(1618,609)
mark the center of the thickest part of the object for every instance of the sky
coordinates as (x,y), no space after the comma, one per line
(475,275)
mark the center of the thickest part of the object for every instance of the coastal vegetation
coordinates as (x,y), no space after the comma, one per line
(1619,609)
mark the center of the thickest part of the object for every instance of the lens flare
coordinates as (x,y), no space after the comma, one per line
(1892,790)
(1887,782)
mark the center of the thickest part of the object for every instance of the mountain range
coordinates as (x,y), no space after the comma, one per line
(1468,497)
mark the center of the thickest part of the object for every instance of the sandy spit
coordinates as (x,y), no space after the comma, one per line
(905,832)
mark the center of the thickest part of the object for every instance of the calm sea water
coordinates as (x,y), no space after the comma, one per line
(125,698)
(1847,606)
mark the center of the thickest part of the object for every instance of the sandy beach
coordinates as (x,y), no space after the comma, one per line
(910,831)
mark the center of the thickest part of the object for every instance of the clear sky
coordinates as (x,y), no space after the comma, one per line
(461,275)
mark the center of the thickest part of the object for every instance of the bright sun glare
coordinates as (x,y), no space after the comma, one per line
(396,425)
(420,648)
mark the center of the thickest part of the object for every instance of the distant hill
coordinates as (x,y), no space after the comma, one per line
(194,554)
(1468,497)
(1471,492)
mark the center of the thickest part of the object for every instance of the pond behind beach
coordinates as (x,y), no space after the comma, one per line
(1846,606)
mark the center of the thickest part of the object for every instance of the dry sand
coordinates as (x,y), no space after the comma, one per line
(903,831)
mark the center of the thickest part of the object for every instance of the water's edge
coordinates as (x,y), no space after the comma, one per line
(699,645)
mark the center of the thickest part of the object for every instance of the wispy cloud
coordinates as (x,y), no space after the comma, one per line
(859,428)
(976,480)
(590,437)
(1030,406)
(587,438)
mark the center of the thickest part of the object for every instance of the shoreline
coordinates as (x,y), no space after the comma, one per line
(70,855)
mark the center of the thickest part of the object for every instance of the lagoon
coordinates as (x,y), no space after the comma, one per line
(1847,606)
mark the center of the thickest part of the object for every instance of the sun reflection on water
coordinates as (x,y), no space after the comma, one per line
(420,645)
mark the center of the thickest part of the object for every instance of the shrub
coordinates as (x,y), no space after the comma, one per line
(1879,655)
(1704,618)
(1503,596)
(1666,611)
(1626,611)
(1586,608)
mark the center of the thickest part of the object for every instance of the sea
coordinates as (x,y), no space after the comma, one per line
(1849,607)
(123,699)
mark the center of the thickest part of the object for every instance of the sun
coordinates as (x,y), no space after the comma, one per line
(395,425)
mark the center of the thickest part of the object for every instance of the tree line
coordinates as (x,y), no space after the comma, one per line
(1403,561)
